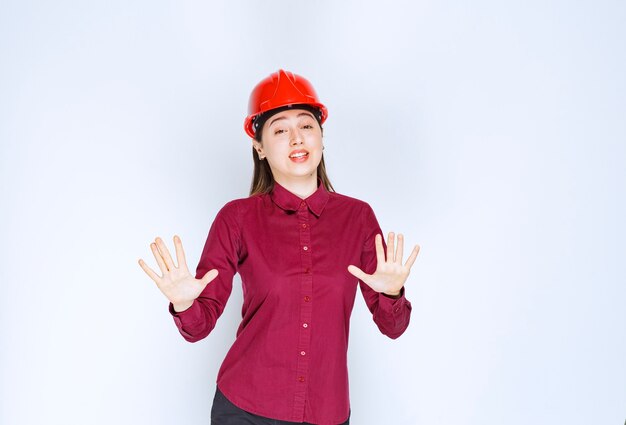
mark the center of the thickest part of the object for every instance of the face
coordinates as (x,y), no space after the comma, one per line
(292,145)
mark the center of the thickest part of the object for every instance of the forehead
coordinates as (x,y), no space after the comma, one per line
(289,114)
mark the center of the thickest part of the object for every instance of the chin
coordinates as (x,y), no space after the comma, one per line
(304,173)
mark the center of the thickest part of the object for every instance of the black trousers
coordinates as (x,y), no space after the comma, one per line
(224,412)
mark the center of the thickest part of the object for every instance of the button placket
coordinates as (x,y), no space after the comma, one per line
(306,309)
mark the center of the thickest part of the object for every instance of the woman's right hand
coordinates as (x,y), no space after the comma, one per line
(177,284)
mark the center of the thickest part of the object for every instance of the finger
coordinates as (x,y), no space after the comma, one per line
(165,253)
(159,258)
(400,249)
(180,253)
(412,257)
(390,247)
(208,277)
(358,273)
(149,271)
(380,253)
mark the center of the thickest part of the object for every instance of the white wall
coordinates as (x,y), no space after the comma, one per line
(491,133)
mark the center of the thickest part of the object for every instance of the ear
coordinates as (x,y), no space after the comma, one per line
(258,147)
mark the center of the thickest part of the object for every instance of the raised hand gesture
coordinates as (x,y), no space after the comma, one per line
(390,274)
(177,284)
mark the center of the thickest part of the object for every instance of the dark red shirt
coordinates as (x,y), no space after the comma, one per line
(289,360)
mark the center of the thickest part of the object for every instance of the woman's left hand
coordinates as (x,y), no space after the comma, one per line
(390,274)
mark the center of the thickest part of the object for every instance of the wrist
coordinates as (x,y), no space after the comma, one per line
(179,307)
(394,295)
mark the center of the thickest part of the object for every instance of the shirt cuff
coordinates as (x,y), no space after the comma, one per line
(188,318)
(389,304)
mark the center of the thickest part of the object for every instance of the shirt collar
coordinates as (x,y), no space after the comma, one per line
(291,202)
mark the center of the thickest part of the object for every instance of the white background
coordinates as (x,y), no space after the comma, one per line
(491,133)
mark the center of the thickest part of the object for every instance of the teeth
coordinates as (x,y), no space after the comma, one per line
(298,155)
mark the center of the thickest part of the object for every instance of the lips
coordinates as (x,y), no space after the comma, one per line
(299,155)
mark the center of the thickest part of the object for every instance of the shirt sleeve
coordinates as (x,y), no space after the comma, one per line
(221,252)
(390,315)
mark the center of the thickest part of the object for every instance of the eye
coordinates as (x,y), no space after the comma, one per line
(307,126)
(279,131)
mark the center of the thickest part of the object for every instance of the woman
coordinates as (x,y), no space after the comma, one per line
(300,248)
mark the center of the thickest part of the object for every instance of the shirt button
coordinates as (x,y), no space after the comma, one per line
(301,378)
(302,204)
(307,298)
(305,325)
(302,353)
(304,225)
(305,248)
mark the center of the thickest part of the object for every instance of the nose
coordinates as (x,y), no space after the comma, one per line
(296,137)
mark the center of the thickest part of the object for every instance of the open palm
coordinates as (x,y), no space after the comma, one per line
(390,273)
(177,283)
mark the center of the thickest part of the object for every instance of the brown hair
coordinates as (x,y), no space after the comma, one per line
(262,177)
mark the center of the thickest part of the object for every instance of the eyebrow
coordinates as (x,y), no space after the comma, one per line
(283,118)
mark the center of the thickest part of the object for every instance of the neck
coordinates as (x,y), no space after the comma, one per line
(302,187)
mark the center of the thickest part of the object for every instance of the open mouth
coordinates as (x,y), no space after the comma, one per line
(299,156)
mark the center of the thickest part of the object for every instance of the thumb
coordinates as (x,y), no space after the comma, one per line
(357,272)
(208,277)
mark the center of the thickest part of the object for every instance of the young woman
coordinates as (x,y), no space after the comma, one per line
(300,249)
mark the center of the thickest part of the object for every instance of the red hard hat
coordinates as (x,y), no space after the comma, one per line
(281,88)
